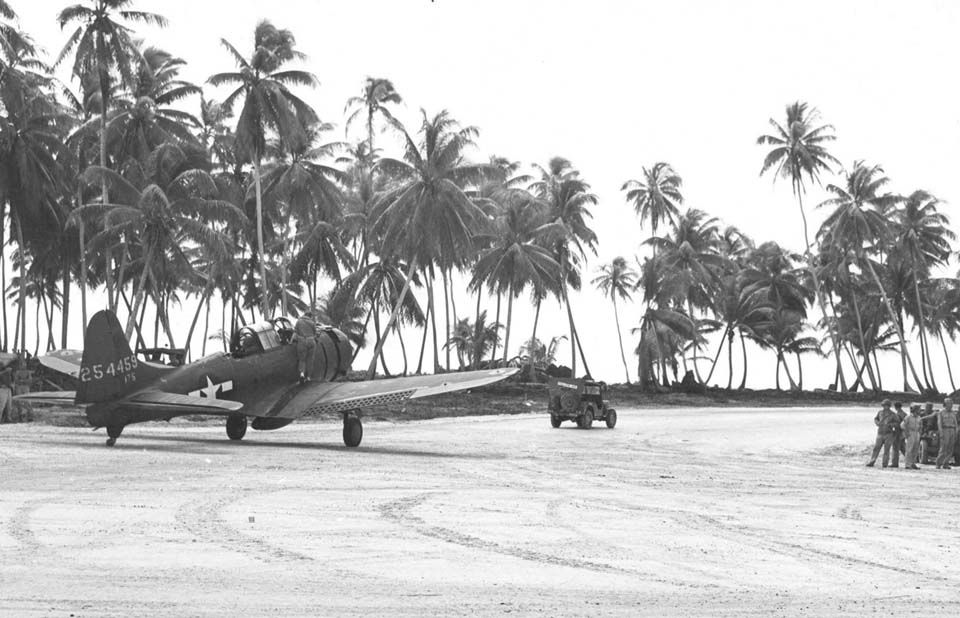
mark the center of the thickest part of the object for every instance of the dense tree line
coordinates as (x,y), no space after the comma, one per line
(130,181)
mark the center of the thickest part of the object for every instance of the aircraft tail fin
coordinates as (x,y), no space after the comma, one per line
(109,369)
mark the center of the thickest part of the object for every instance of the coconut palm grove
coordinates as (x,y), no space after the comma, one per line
(192,208)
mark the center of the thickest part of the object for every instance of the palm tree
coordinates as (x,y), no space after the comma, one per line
(857,222)
(799,154)
(473,339)
(427,219)
(268,104)
(174,205)
(105,48)
(658,197)
(517,256)
(377,92)
(11,39)
(615,280)
(690,257)
(32,131)
(923,236)
(569,198)
(148,117)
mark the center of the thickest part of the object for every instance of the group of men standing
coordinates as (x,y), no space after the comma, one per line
(899,432)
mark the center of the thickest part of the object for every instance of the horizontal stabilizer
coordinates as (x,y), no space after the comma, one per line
(63,361)
(157,400)
(61,397)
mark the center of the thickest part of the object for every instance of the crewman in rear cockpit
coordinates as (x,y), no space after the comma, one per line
(305,335)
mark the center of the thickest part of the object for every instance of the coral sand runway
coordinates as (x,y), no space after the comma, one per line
(707,512)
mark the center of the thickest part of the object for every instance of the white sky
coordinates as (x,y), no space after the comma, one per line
(616,86)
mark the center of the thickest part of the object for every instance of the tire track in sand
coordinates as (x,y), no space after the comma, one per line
(400,511)
(202,518)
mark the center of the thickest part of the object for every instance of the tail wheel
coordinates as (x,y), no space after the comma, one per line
(555,421)
(585,420)
(352,430)
(611,418)
(114,432)
(236,426)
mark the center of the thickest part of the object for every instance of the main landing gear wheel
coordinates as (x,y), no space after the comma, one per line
(555,421)
(352,429)
(236,426)
(114,432)
(611,418)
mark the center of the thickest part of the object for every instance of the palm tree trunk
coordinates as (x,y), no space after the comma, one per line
(493,354)
(196,316)
(506,338)
(576,339)
(476,352)
(206,330)
(138,294)
(695,347)
(104,195)
(3,275)
(818,291)
(533,339)
(777,381)
(65,311)
(371,369)
(799,372)
(403,351)
(904,353)
(953,387)
(729,358)
(623,357)
(23,285)
(423,341)
(716,356)
(786,369)
(264,301)
(924,346)
(432,308)
(743,346)
(446,315)
(863,345)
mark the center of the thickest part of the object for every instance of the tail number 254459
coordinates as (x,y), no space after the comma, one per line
(123,368)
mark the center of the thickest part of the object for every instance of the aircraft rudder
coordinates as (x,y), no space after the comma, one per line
(109,368)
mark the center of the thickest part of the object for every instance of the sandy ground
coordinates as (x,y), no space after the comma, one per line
(712,512)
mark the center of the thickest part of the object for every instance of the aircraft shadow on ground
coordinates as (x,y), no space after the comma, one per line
(219,446)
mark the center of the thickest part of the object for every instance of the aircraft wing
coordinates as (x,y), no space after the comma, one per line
(63,361)
(158,400)
(328,397)
(61,397)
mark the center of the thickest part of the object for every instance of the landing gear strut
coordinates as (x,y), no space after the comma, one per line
(114,432)
(352,429)
(236,426)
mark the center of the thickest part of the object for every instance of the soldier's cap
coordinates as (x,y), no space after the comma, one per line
(914,406)
(886,402)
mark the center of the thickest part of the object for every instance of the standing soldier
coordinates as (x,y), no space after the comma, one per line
(947,426)
(899,445)
(885,420)
(911,427)
(305,334)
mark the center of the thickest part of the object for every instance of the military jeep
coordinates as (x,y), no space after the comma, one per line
(579,400)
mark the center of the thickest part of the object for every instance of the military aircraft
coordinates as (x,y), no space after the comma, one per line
(257,379)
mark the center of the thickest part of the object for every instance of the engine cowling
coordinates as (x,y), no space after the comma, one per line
(334,355)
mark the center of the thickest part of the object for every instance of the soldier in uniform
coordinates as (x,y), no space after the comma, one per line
(947,426)
(305,336)
(912,426)
(899,444)
(885,420)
